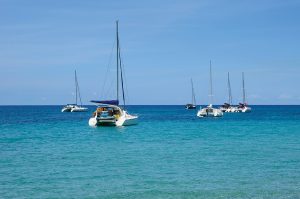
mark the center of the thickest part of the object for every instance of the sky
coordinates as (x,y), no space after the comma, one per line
(164,43)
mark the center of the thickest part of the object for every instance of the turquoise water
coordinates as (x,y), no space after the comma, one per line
(169,154)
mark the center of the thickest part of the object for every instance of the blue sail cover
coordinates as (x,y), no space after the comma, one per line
(110,102)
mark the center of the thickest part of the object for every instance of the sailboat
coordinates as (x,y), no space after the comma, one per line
(227,107)
(108,112)
(209,111)
(75,107)
(243,107)
(193,104)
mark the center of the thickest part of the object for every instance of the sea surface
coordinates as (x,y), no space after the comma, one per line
(170,154)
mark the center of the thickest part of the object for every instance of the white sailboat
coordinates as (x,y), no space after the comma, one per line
(227,107)
(75,107)
(108,112)
(193,104)
(209,111)
(243,107)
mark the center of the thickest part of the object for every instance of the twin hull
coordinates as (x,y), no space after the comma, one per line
(124,120)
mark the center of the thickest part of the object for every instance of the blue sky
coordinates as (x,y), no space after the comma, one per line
(163,43)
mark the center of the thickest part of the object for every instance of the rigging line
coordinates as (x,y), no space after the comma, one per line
(75,88)
(123,94)
(107,68)
(211,87)
(125,82)
(244,91)
(118,54)
(193,93)
(79,95)
(229,90)
(78,90)
(126,85)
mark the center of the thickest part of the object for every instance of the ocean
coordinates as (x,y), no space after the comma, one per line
(170,154)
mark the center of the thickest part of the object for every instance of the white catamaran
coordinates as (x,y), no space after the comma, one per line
(75,107)
(243,107)
(209,111)
(108,112)
(193,104)
(227,107)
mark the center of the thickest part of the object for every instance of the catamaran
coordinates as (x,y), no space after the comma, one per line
(243,107)
(75,107)
(227,107)
(209,111)
(193,104)
(108,112)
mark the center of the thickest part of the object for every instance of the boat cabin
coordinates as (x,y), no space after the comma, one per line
(107,112)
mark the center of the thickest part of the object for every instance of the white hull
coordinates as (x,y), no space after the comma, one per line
(230,110)
(66,110)
(124,120)
(73,108)
(129,120)
(190,107)
(79,109)
(209,112)
(245,109)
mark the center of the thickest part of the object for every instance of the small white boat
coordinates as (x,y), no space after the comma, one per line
(243,107)
(79,109)
(108,112)
(227,107)
(68,108)
(75,107)
(232,109)
(193,104)
(209,111)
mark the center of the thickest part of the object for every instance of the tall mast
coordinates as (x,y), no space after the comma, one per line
(211,88)
(244,92)
(76,87)
(117,24)
(193,93)
(229,90)
(119,67)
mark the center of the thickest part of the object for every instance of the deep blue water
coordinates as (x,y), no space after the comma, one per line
(170,154)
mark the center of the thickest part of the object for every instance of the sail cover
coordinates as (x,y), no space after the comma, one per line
(110,102)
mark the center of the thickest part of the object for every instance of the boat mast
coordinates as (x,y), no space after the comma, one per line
(193,93)
(211,88)
(77,90)
(117,24)
(229,90)
(75,87)
(119,67)
(244,92)
(122,79)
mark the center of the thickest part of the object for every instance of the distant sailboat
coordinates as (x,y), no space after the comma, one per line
(108,112)
(75,107)
(243,107)
(193,104)
(227,107)
(209,111)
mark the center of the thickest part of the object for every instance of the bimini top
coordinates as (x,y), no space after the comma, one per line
(108,102)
